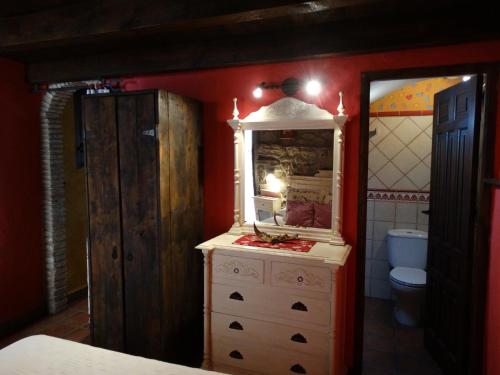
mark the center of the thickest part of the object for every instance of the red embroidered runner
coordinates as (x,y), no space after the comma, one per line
(302,246)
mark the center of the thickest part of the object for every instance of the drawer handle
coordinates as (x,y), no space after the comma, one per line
(299,338)
(237,355)
(236,296)
(299,306)
(298,369)
(235,325)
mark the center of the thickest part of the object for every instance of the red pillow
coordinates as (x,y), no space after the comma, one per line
(299,213)
(322,215)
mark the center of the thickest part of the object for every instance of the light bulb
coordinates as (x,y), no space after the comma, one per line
(274,184)
(465,78)
(313,87)
(257,92)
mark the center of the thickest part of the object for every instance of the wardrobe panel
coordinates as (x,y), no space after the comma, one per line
(139,190)
(186,207)
(105,256)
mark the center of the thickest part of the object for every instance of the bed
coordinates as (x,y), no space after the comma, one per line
(44,355)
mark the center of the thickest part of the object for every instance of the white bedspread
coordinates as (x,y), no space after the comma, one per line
(52,356)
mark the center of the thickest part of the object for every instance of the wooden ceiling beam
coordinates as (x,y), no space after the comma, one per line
(79,21)
(308,41)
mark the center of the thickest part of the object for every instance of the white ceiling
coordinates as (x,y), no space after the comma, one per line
(378,89)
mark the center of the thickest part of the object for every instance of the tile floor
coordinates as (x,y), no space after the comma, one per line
(390,348)
(71,324)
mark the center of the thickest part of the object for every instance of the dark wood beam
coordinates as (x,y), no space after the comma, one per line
(286,44)
(75,22)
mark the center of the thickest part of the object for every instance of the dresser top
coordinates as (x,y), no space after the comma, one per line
(332,254)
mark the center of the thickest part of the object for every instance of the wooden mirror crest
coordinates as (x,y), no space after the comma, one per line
(287,115)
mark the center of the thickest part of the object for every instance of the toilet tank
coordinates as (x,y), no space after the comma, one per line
(407,248)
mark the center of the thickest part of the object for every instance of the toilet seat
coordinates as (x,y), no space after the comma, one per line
(411,277)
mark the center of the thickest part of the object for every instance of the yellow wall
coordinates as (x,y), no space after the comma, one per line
(417,96)
(74,195)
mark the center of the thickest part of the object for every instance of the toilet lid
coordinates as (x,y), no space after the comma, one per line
(409,276)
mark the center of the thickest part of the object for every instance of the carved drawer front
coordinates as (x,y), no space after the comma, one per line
(290,275)
(281,336)
(236,268)
(265,359)
(262,302)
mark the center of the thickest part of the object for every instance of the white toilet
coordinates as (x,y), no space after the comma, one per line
(407,251)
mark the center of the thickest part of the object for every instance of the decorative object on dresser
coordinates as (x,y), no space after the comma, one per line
(145,213)
(280,308)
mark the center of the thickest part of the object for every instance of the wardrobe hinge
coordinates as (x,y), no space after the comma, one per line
(150,132)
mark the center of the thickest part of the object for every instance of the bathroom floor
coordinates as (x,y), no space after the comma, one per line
(390,348)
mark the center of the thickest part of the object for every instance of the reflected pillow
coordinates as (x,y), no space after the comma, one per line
(322,215)
(300,213)
(308,195)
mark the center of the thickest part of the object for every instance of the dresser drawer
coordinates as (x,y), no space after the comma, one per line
(298,276)
(260,302)
(265,359)
(246,330)
(238,268)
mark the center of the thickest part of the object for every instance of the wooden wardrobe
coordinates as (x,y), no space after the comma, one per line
(145,216)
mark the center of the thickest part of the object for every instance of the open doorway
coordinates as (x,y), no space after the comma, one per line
(412,320)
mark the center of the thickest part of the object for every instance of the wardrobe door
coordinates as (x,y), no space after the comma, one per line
(186,206)
(103,196)
(139,191)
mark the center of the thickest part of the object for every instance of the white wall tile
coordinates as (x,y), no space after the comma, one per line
(421,146)
(374,183)
(423,122)
(376,160)
(404,184)
(392,122)
(389,174)
(380,289)
(379,250)
(390,146)
(380,270)
(402,225)
(368,268)
(423,227)
(406,160)
(369,230)
(380,229)
(406,212)
(422,218)
(407,131)
(380,129)
(420,175)
(384,211)
(367,287)
(369,249)
(369,209)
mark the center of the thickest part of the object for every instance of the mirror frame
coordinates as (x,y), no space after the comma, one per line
(290,114)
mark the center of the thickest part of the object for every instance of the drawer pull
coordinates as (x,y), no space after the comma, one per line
(237,355)
(236,296)
(235,325)
(299,338)
(298,369)
(236,270)
(299,306)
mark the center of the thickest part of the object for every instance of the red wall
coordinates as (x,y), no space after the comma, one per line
(21,267)
(217,87)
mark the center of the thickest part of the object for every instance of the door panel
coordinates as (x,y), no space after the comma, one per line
(186,218)
(455,140)
(105,255)
(138,181)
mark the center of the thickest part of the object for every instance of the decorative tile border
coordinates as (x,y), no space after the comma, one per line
(401,196)
(402,113)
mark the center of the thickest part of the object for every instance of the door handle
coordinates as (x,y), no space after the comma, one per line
(299,306)
(426,212)
(235,325)
(299,338)
(236,296)
(298,369)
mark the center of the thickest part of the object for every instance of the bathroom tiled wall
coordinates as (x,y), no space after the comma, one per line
(382,216)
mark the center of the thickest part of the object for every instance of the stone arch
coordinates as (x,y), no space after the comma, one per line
(52,157)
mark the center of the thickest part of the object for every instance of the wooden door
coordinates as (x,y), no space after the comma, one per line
(104,232)
(453,187)
(139,193)
(185,275)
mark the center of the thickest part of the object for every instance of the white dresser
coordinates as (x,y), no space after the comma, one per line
(274,311)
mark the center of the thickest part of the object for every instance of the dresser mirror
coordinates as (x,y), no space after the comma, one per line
(289,170)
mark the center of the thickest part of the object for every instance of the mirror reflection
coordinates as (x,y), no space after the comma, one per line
(292,177)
